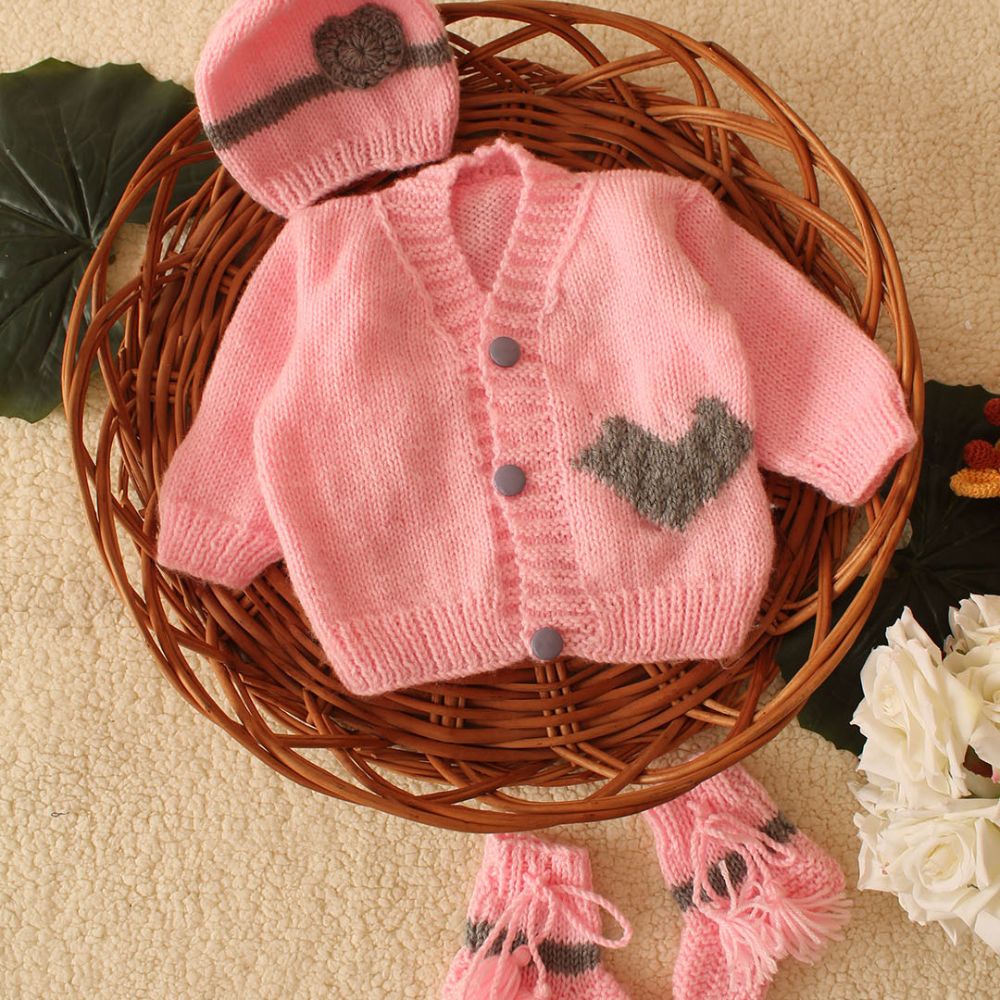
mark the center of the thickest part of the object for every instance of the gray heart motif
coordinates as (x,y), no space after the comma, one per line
(669,482)
(359,49)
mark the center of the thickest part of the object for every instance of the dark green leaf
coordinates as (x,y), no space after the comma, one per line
(70,140)
(954,552)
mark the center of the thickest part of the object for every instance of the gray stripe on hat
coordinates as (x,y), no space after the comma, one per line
(779,828)
(283,100)
(668,482)
(267,110)
(559,957)
(426,54)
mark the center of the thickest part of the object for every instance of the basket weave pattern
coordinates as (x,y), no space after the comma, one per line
(478,745)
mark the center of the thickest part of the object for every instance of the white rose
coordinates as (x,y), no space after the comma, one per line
(975,622)
(979,671)
(917,718)
(943,865)
(873,873)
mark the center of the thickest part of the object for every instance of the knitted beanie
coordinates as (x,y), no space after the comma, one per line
(301,97)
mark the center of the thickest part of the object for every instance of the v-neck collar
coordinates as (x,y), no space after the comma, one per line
(417,211)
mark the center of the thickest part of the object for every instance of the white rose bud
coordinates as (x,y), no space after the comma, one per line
(975,622)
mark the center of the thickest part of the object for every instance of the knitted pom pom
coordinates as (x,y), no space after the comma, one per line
(753,888)
(805,925)
(980,454)
(498,977)
(992,411)
(533,930)
(761,922)
(751,949)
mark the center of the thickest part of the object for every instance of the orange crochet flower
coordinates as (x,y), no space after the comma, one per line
(980,484)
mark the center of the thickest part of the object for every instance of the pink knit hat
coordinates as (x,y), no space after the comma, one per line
(301,97)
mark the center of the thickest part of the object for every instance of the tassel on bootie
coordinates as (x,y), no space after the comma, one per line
(534,927)
(752,887)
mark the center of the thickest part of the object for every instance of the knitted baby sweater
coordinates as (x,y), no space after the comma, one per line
(501,409)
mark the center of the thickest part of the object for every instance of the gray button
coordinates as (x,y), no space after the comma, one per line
(505,351)
(509,480)
(546,644)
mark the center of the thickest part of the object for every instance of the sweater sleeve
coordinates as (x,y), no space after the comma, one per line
(213,523)
(828,406)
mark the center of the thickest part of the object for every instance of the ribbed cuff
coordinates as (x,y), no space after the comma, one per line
(736,792)
(864,457)
(210,548)
(671,826)
(511,859)
(516,862)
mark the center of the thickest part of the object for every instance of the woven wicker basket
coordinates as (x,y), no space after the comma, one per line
(481,754)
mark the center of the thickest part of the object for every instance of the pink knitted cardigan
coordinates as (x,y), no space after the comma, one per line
(501,409)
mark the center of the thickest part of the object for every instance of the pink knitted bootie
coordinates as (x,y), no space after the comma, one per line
(534,927)
(752,887)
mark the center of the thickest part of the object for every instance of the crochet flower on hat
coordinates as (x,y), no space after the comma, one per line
(362,48)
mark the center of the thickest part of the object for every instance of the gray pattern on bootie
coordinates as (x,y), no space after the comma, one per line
(565,958)
(779,828)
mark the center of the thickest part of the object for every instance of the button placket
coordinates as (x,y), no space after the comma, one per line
(508,480)
(511,413)
(552,602)
(546,643)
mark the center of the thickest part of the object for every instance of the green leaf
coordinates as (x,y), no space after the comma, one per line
(70,140)
(954,552)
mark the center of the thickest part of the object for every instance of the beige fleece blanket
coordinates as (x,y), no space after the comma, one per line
(145,856)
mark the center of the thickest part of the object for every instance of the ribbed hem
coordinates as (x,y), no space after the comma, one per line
(682,622)
(297,187)
(212,549)
(382,653)
(420,645)
(857,464)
